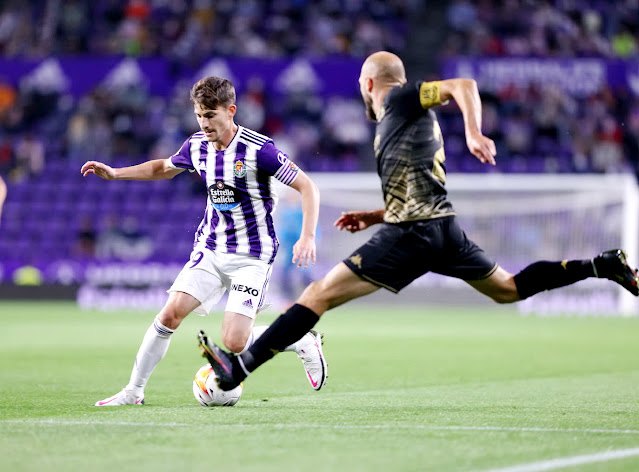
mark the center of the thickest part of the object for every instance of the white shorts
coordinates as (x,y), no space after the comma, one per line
(209,274)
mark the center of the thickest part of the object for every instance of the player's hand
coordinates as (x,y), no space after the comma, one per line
(354,221)
(304,252)
(482,148)
(98,168)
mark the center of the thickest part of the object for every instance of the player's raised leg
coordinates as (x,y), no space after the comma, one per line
(153,348)
(239,334)
(504,287)
(247,283)
(337,287)
(613,265)
(309,349)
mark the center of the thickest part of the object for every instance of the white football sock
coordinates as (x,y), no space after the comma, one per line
(153,348)
(259,331)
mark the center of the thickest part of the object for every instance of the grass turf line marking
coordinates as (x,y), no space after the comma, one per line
(328,426)
(563,462)
(91,423)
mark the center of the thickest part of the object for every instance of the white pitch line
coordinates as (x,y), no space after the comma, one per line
(562,462)
(536,430)
(54,422)
(329,426)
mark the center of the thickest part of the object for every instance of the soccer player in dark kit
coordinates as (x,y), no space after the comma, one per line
(419,230)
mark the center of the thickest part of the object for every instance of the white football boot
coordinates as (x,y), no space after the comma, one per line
(309,350)
(123,397)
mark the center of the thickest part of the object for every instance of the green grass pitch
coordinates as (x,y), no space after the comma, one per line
(432,389)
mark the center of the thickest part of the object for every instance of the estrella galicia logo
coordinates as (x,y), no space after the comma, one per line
(239,169)
(223,197)
(245,289)
(281,157)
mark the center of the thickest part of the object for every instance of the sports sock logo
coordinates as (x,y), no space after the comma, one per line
(248,303)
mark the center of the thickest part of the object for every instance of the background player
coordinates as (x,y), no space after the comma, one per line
(419,230)
(235,243)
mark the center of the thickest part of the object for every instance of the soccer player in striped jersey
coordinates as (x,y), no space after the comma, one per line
(235,244)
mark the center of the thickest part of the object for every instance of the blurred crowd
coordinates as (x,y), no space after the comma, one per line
(191,30)
(546,129)
(127,123)
(542,28)
(536,129)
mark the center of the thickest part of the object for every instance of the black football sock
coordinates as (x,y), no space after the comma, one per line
(545,275)
(285,330)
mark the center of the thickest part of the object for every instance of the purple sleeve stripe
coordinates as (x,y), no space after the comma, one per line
(287,176)
(289,180)
(282,171)
(180,165)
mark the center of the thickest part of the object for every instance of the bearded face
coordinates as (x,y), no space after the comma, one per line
(368,103)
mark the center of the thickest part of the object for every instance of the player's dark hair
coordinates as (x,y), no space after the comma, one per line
(213,92)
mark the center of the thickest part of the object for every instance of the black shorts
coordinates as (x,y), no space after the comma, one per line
(399,253)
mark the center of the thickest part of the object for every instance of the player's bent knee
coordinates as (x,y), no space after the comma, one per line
(170,317)
(234,344)
(235,347)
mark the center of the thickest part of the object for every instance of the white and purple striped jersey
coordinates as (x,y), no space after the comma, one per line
(240,198)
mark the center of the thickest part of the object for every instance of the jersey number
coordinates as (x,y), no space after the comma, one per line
(197,258)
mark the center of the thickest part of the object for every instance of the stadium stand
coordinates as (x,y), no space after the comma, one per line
(45,131)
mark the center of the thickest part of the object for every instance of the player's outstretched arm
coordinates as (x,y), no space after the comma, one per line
(354,221)
(304,249)
(465,93)
(156,169)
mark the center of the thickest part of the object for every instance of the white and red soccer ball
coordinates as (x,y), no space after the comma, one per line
(208,393)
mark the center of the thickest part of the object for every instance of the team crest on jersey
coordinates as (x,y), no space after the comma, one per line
(223,197)
(239,169)
(293,166)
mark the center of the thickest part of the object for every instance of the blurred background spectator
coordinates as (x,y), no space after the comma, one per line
(544,128)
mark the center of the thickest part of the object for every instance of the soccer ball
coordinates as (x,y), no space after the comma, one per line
(208,393)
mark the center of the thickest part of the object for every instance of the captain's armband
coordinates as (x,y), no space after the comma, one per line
(429,94)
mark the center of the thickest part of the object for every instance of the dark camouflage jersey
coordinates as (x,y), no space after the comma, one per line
(410,154)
